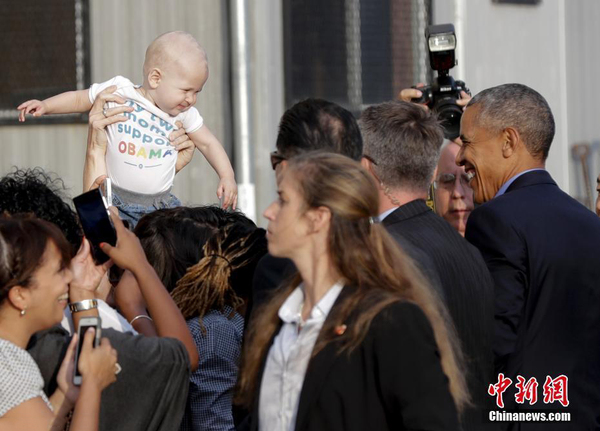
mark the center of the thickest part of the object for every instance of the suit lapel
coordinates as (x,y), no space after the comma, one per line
(319,366)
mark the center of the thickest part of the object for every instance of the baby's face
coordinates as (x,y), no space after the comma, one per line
(179,86)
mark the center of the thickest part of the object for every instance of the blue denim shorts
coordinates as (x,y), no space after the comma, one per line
(133,206)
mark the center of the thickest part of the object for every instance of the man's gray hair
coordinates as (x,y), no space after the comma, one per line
(519,107)
(404,141)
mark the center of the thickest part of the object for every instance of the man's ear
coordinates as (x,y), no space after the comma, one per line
(154,78)
(368,165)
(511,142)
(365,163)
(19,297)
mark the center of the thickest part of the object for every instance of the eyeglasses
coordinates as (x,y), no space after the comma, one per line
(276,159)
(448,181)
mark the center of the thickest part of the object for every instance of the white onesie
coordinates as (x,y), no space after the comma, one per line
(139,157)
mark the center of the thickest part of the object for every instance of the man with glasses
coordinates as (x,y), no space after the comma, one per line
(453,196)
(401,149)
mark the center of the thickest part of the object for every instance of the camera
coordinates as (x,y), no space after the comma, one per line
(442,95)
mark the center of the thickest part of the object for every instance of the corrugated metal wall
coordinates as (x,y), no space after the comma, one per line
(583,94)
(120,33)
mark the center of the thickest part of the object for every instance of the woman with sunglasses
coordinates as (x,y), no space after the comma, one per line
(357,340)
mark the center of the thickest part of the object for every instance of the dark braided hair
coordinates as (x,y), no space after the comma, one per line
(209,284)
(205,256)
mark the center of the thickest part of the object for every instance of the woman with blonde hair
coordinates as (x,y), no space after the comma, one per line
(357,340)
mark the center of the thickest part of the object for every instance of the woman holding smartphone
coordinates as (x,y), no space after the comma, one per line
(34,283)
(358,340)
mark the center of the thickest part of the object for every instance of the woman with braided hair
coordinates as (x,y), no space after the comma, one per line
(206,258)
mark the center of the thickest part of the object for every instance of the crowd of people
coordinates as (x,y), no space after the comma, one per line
(357,308)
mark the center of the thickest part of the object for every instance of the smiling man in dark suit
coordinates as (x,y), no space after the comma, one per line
(402,144)
(543,250)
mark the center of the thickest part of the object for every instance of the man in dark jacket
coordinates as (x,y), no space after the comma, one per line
(543,250)
(402,143)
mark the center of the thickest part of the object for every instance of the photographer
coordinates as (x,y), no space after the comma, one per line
(453,198)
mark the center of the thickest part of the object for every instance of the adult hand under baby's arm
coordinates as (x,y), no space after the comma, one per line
(184,146)
(99,118)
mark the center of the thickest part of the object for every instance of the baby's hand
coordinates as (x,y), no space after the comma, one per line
(35,107)
(228,191)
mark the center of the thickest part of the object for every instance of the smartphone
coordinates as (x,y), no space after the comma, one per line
(84,324)
(96,223)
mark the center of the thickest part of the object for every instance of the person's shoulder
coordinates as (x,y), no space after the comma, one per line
(219,325)
(163,351)
(191,119)
(121,81)
(20,378)
(397,313)
(402,321)
(402,310)
(220,335)
(125,88)
(495,210)
(191,112)
(15,360)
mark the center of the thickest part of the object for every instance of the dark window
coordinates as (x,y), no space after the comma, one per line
(44,51)
(352,52)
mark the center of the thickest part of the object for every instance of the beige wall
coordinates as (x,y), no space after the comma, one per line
(120,32)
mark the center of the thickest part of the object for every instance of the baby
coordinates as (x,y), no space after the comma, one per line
(139,159)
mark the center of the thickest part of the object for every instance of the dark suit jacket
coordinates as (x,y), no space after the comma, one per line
(467,288)
(543,250)
(392,381)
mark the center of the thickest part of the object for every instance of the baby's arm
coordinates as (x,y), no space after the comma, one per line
(211,148)
(64,103)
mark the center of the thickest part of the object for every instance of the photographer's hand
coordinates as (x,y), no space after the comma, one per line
(464,100)
(407,94)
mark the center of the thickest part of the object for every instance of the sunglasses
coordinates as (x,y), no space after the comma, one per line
(276,159)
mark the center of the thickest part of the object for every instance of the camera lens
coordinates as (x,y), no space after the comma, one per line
(449,114)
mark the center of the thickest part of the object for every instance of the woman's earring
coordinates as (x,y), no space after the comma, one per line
(23,312)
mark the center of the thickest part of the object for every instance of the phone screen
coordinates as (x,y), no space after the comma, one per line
(82,330)
(95,222)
